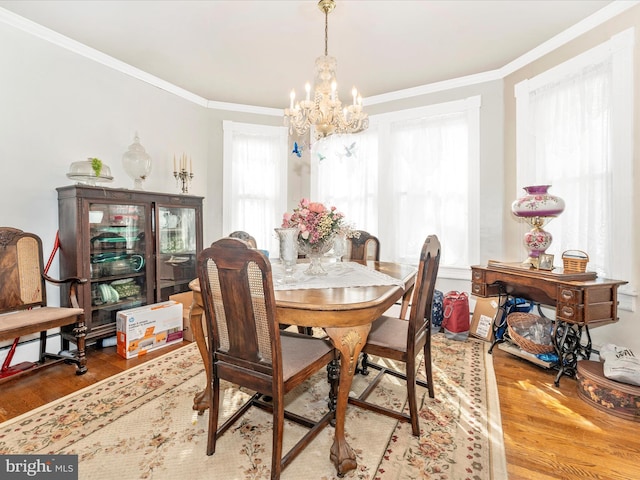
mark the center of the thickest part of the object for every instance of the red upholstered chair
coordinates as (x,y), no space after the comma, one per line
(246,346)
(401,340)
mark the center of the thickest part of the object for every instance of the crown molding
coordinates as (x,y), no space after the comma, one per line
(606,13)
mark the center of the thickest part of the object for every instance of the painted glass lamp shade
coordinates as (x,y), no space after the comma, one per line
(537,208)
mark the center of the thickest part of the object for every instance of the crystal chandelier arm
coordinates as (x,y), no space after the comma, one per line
(325,112)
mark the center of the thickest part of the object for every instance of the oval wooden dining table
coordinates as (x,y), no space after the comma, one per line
(346,314)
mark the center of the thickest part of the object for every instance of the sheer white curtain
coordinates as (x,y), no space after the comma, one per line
(411,174)
(344,172)
(430,186)
(571,129)
(571,121)
(255,180)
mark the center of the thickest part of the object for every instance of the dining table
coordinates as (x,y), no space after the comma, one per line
(344,303)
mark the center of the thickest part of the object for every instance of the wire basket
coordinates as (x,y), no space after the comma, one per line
(522,322)
(575,261)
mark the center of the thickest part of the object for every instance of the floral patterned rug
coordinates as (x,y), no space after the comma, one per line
(139,424)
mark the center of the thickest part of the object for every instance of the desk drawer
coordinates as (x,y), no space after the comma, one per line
(477,276)
(570,295)
(484,290)
(570,312)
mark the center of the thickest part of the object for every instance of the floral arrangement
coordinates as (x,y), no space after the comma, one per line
(316,223)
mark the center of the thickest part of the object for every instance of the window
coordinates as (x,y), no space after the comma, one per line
(410,175)
(255,180)
(344,172)
(574,132)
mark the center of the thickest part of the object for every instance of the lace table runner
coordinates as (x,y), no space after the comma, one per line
(342,274)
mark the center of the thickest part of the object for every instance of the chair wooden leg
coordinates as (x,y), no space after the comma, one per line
(214,407)
(428,366)
(278,432)
(411,397)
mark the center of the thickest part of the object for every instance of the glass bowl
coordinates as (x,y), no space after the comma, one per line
(83,173)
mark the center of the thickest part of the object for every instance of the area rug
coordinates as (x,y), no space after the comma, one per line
(140,424)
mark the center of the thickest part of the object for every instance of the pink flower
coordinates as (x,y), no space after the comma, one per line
(316,207)
(305,202)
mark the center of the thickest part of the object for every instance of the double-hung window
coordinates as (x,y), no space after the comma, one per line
(255,180)
(574,132)
(413,173)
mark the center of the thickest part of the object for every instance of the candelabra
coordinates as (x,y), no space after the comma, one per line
(182,175)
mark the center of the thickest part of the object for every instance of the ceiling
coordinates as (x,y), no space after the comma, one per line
(254,52)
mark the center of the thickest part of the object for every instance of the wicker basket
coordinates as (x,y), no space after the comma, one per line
(575,261)
(522,321)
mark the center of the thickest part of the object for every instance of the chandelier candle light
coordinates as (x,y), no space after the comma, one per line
(322,109)
(182,176)
(537,207)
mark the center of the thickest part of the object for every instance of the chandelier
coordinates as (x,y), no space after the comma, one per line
(324,110)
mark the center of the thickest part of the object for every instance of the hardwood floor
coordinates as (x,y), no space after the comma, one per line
(549,432)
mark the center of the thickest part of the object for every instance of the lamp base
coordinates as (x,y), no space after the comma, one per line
(537,241)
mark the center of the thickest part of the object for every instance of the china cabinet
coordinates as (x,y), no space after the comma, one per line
(134,247)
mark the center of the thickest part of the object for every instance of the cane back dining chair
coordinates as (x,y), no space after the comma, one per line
(23,298)
(401,340)
(246,347)
(363,247)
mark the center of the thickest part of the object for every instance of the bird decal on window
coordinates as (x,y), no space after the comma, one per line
(297,149)
(349,151)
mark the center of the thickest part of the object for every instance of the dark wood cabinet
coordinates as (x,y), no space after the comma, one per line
(134,247)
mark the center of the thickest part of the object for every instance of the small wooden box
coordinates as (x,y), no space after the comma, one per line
(617,398)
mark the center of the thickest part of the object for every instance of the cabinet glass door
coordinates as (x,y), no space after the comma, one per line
(117,259)
(176,250)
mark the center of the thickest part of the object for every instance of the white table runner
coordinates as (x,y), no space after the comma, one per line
(342,274)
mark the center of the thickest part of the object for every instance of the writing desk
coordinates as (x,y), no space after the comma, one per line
(581,300)
(346,314)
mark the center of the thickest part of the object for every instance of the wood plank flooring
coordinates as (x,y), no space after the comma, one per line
(549,432)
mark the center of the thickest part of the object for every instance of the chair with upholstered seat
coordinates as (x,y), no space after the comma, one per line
(23,302)
(363,247)
(402,340)
(244,236)
(248,347)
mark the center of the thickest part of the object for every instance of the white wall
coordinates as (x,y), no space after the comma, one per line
(57,107)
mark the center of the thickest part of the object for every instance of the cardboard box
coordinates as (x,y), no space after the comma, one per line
(143,329)
(186,299)
(483,317)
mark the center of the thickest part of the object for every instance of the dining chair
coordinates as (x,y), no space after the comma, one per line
(24,309)
(244,236)
(363,247)
(249,349)
(401,340)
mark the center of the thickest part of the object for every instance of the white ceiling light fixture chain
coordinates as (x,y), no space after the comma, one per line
(325,112)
